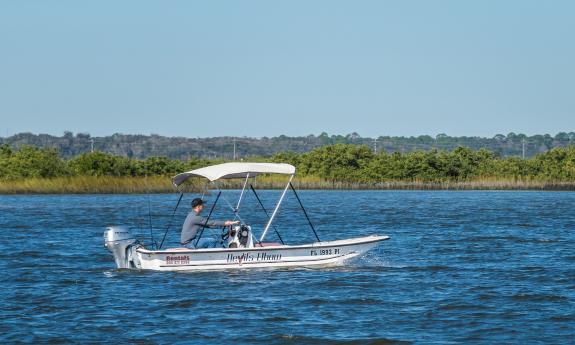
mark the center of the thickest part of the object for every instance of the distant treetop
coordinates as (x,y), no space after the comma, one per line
(143,146)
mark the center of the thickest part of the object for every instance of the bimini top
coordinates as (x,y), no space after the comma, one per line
(235,170)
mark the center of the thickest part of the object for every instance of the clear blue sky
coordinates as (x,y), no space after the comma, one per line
(265,68)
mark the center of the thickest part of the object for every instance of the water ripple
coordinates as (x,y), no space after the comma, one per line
(480,267)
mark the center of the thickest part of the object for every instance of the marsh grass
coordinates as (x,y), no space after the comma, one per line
(87,185)
(483,183)
(162,184)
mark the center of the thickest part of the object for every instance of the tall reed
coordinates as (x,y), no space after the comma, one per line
(87,185)
(162,184)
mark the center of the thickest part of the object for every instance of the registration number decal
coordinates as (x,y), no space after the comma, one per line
(330,251)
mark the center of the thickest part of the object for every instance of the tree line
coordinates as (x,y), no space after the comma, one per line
(337,162)
(71,145)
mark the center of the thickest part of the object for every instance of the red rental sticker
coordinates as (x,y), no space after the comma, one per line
(177,260)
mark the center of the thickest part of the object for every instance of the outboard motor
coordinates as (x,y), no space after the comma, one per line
(118,240)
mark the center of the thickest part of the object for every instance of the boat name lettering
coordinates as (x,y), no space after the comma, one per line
(253,257)
(177,260)
(329,251)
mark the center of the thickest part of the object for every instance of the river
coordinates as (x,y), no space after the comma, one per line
(460,267)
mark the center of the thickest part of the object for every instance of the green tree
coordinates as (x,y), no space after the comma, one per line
(341,162)
(160,166)
(102,164)
(31,161)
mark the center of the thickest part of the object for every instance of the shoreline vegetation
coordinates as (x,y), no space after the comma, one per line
(34,170)
(162,185)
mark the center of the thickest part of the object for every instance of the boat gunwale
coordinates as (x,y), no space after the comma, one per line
(376,238)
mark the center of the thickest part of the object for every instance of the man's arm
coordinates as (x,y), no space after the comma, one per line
(215,223)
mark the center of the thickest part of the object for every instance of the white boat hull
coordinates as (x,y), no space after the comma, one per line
(319,253)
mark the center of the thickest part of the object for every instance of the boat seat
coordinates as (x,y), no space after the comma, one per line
(267,244)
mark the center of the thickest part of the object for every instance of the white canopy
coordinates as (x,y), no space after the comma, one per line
(235,170)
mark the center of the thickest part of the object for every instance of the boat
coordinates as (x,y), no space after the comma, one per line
(240,248)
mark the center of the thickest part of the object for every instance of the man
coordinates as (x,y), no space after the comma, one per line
(194,223)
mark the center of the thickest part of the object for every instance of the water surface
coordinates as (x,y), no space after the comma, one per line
(460,267)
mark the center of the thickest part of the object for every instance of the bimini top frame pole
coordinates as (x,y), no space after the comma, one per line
(266,212)
(242,193)
(276,209)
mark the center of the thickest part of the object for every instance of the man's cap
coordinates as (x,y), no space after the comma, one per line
(197,202)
